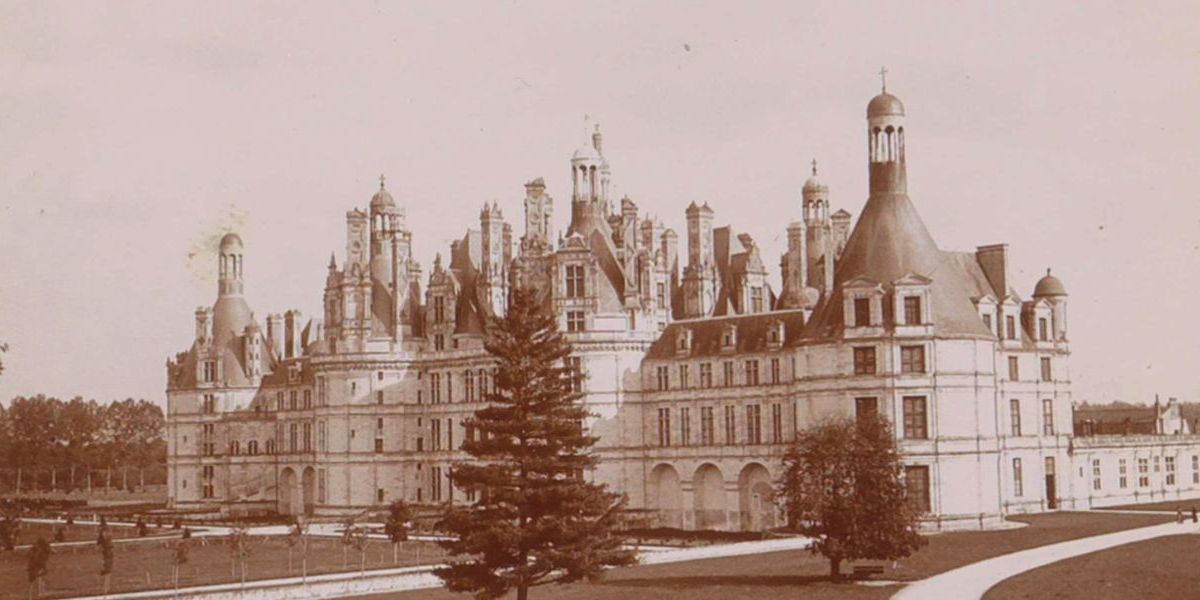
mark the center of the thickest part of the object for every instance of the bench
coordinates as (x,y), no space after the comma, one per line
(864,571)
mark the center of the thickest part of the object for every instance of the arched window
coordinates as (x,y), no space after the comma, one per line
(252,447)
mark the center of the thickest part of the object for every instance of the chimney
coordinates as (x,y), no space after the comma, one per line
(993,260)
(275,335)
(292,347)
(203,325)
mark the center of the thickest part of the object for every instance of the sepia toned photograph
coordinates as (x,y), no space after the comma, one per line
(599,300)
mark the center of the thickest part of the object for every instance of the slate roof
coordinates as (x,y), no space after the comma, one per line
(706,334)
(890,241)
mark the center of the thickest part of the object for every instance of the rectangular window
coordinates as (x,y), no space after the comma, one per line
(1123,482)
(912,359)
(1018,479)
(439,342)
(439,309)
(864,360)
(449,387)
(685,426)
(575,321)
(728,374)
(321,433)
(308,437)
(378,445)
(1014,411)
(321,486)
(684,377)
(987,321)
(379,397)
(753,424)
(435,434)
(730,425)
(435,484)
(292,400)
(912,310)
(776,424)
(706,426)
(435,388)
(1010,326)
(574,281)
(1170,465)
(862,312)
(1143,472)
(664,377)
(210,370)
(751,372)
(210,404)
(307,399)
(1014,372)
(664,427)
(1047,417)
(1196,468)
(1049,466)
(916,483)
(293,438)
(756,299)
(1046,374)
(662,295)
(1096,474)
(865,408)
(774,370)
(915,427)
(469,384)
(706,375)
(321,399)
(1043,329)
(575,363)
(449,434)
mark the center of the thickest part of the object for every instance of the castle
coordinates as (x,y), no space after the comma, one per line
(698,371)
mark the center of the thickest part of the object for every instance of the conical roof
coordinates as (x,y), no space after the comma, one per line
(889,242)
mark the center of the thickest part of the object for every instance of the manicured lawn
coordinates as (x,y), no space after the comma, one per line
(1158,568)
(1170,505)
(799,574)
(74,571)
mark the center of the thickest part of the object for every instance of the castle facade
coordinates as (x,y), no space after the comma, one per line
(699,371)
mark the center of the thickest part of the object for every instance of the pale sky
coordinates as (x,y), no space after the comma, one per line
(130,132)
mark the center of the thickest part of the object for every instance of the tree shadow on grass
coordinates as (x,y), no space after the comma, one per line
(711,580)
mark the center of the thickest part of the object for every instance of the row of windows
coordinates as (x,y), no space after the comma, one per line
(1014,409)
(475,387)
(912,360)
(750,374)
(753,426)
(1143,471)
(912,312)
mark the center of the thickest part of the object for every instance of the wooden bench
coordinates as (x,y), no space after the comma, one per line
(864,571)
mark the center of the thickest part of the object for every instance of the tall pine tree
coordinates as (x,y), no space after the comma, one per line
(534,519)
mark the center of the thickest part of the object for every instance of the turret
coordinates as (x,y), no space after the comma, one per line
(1052,290)
(818,231)
(275,335)
(203,325)
(493,283)
(229,279)
(885,143)
(291,343)
(539,210)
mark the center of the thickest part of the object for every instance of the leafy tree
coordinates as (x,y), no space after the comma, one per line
(396,526)
(535,519)
(38,566)
(3,349)
(842,486)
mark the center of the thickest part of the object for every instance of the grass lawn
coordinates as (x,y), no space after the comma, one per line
(1158,568)
(1170,505)
(74,571)
(796,574)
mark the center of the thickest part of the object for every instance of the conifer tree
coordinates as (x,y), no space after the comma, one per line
(842,486)
(534,519)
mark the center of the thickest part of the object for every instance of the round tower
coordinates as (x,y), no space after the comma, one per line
(1052,290)
(885,142)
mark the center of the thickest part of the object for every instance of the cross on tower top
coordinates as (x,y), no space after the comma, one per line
(883,77)
(814,165)
(381,180)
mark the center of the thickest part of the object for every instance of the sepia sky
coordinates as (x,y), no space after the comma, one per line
(132,133)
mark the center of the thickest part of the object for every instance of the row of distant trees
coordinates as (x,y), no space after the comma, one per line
(48,444)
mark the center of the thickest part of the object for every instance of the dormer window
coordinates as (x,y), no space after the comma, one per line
(729,338)
(912,310)
(775,334)
(862,312)
(574,281)
(683,341)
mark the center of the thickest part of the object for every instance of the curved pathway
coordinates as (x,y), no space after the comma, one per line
(972,581)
